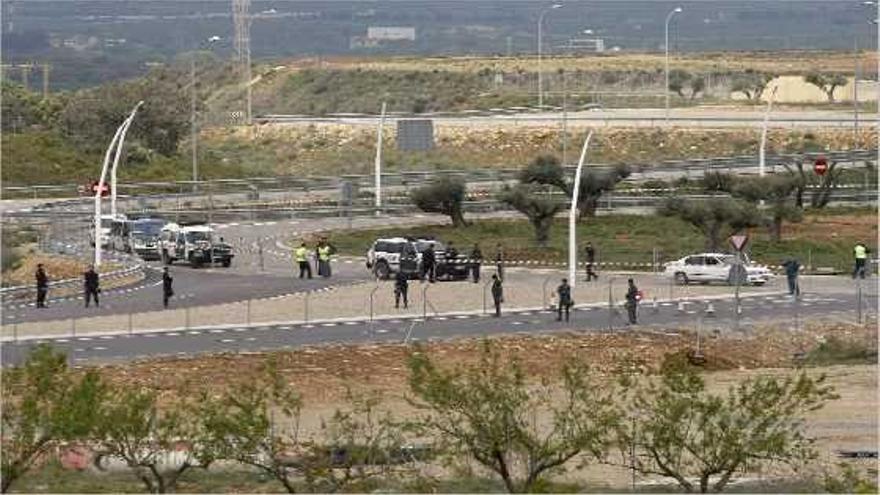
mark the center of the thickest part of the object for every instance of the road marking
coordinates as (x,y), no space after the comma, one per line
(350,323)
(151,335)
(516,323)
(440,318)
(194,332)
(80,338)
(173,334)
(250,339)
(284,328)
(99,348)
(216,331)
(328,324)
(62,340)
(308,326)
(79,349)
(226,341)
(462,317)
(239,329)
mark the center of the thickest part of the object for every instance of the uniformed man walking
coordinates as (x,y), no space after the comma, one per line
(632,301)
(401,289)
(476,261)
(42,286)
(91,284)
(861,256)
(497,294)
(499,261)
(591,260)
(301,256)
(167,287)
(564,300)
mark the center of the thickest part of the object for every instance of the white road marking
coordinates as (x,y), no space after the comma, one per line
(250,339)
(79,338)
(516,323)
(462,317)
(194,332)
(99,348)
(216,331)
(350,323)
(173,334)
(226,341)
(328,324)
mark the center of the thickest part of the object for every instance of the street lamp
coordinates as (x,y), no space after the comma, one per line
(572,215)
(877,21)
(117,143)
(194,123)
(540,50)
(666,45)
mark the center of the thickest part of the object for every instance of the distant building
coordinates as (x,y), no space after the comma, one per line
(381,33)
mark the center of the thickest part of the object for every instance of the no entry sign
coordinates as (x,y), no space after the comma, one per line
(820,166)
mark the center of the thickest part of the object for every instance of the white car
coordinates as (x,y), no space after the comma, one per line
(715,267)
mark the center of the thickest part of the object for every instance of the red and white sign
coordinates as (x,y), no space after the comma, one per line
(821,166)
(739,241)
(105,191)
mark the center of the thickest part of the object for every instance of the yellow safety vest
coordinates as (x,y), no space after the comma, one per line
(861,252)
(324,253)
(301,254)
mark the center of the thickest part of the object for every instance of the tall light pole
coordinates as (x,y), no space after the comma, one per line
(540,51)
(877,22)
(572,215)
(116,142)
(666,46)
(123,132)
(194,130)
(378,163)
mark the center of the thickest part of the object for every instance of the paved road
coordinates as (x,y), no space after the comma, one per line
(619,117)
(122,347)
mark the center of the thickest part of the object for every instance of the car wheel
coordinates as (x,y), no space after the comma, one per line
(383,271)
(681,278)
(227,262)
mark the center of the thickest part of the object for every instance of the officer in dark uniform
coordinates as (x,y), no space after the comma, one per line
(591,262)
(42,286)
(91,284)
(632,301)
(476,261)
(428,263)
(792,268)
(497,294)
(167,289)
(565,301)
(401,289)
(499,261)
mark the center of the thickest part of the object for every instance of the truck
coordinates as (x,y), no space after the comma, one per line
(195,244)
(143,237)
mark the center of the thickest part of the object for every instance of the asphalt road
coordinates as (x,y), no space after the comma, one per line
(122,347)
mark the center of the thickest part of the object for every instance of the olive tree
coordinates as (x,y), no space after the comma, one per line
(700,439)
(488,412)
(444,195)
(44,403)
(158,442)
(828,83)
(717,218)
(777,192)
(536,204)
(751,83)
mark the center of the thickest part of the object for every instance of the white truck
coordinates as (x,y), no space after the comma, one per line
(195,244)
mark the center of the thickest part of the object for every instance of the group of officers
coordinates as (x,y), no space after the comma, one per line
(322,254)
(92,286)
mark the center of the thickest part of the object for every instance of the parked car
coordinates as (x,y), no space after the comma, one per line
(716,267)
(144,237)
(194,243)
(390,255)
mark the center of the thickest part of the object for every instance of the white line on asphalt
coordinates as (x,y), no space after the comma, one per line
(328,324)
(284,328)
(440,318)
(226,341)
(308,326)
(194,332)
(172,334)
(350,323)
(62,340)
(216,330)
(80,338)
(107,337)
(79,349)
(99,348)
(250,339)
(462,317)
(516,323)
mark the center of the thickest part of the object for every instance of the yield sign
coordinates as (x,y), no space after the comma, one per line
(739,241)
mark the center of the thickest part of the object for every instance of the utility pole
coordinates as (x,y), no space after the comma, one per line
(242,20)
(194,127)
(378,164)
(45,80)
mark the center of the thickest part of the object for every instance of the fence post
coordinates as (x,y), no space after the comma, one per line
(372,293)
(306,304)
(859,300)
(544,292)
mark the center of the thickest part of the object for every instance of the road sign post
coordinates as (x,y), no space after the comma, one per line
(739,243)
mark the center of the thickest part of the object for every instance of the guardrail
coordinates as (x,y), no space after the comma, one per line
(256,185)
(21,291)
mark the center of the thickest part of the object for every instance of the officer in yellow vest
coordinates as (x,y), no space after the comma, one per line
(301,256)
(324,252)
(861,254)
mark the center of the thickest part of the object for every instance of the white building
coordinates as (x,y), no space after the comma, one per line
(389,33)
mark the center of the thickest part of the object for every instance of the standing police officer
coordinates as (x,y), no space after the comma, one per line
(91,284)
(301,256)
(476,261)
(497,294)
(632,301)
(428,262)
(564,301)
(591,260)
(860,252)
(42,286)
(167,287)
(401,289)
(324,252)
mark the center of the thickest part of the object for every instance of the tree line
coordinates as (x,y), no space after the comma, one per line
(543,189)
(663,423)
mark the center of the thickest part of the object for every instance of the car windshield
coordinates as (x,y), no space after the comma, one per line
(143,236)
(423,246)
(152,227)
(198,236)
(106,223)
